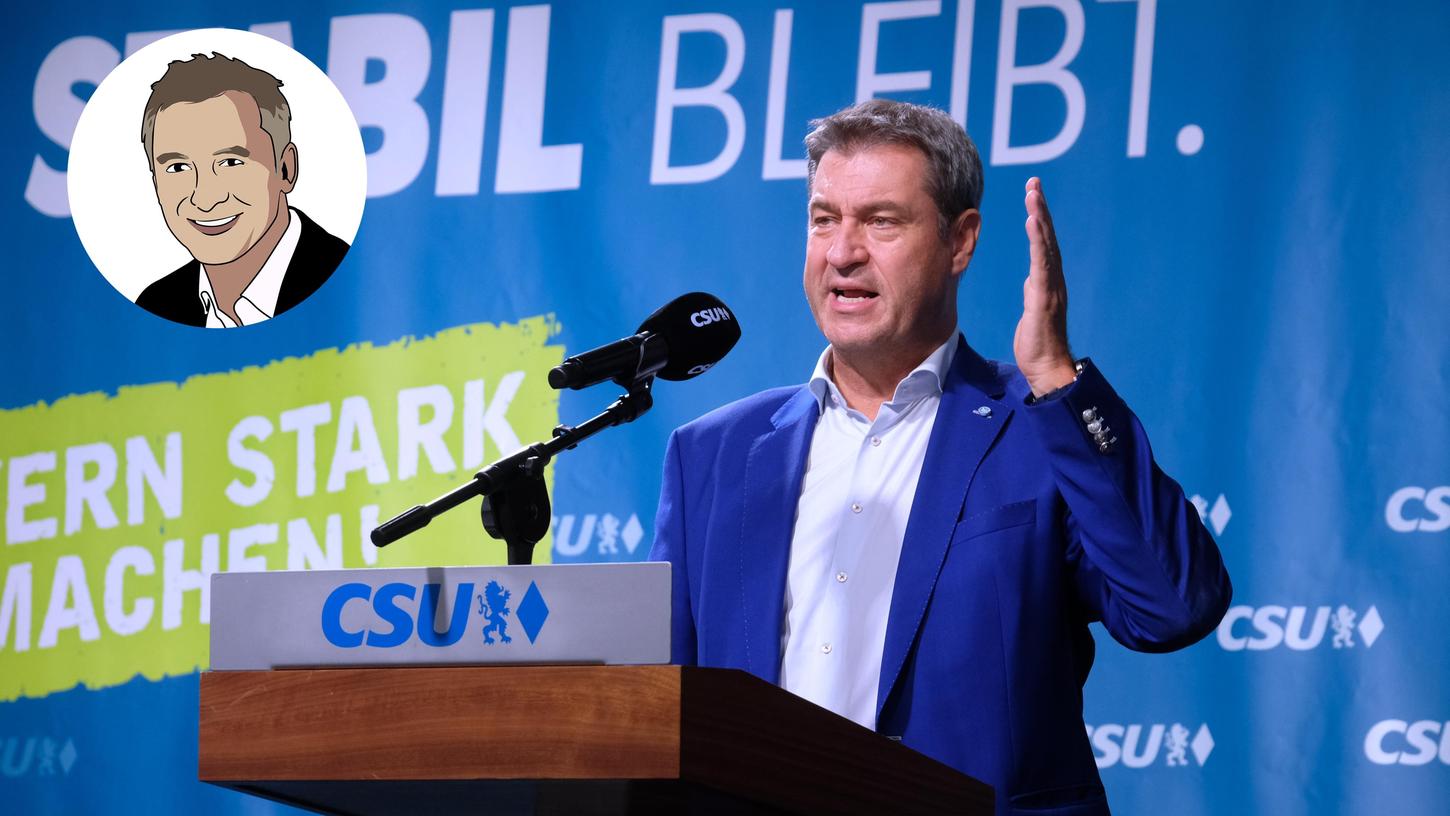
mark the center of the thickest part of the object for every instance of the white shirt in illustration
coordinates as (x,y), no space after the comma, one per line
(258,301)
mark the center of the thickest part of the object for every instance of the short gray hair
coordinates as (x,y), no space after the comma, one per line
(953,168)
(203,77)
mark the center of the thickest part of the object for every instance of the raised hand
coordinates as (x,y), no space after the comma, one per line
(1040,344)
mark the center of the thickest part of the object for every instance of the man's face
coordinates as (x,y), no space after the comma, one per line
(879,277)
(215,175)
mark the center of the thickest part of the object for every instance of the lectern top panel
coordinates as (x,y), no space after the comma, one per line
(615,614)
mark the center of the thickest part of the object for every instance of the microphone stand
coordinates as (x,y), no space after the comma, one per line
(515,498)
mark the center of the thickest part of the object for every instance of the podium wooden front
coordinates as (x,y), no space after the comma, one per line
(555,739)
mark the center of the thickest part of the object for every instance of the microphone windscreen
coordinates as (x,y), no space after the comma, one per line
(698,330)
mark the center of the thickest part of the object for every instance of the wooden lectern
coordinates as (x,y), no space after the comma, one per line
(555,739)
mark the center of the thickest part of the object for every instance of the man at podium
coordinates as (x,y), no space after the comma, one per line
(918,537)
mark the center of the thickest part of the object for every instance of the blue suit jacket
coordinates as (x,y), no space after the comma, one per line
(1021,533)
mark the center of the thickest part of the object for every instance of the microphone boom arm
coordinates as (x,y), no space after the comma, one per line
(516,505)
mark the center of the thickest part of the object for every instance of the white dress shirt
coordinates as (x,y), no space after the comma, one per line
(855,500)
(258,301)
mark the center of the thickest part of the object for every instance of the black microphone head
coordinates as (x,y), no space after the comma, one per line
(699,331)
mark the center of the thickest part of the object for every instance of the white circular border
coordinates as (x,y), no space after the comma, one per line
(112,199)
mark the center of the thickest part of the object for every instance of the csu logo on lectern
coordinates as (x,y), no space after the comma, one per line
(398,611)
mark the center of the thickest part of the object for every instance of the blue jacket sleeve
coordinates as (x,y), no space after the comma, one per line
(1143,561)
(669,545)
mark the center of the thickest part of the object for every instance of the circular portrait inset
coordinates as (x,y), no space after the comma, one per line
(217,178)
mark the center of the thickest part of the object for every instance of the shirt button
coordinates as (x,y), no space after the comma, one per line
(875,441)
(840,577)
(825,648)
(855,507)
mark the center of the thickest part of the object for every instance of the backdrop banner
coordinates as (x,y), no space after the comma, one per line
(1252,204)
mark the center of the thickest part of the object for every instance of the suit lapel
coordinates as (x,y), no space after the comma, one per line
(774,467)
(960,439)
(300,279)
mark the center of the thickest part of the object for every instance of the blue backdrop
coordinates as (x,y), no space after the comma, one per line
(1253,209)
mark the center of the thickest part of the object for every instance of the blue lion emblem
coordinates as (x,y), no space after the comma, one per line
(496,610)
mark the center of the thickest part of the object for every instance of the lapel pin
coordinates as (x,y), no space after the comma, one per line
(983,411)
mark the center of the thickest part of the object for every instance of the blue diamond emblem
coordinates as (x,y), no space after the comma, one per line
(533,611)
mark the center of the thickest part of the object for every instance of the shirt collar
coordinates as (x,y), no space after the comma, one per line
(259,299)
(927,379)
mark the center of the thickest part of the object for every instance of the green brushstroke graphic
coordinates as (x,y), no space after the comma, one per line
(90,595)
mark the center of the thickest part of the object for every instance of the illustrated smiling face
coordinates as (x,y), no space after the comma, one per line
(217,178)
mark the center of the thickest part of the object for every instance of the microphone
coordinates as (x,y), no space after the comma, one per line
(682,339)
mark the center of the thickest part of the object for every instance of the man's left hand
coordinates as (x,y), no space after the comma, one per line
(1040,344)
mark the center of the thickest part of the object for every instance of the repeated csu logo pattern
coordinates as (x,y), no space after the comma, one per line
(1415,509)
(1273,626)
(1398,742)
(1333,626)
(596,536)
(1173,743)
(395,618)
(36,756)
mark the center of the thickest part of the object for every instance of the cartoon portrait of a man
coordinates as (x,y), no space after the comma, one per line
(218,139)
